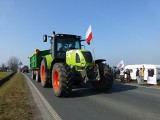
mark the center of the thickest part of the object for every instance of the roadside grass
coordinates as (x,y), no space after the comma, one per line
(4,74)
(14,99)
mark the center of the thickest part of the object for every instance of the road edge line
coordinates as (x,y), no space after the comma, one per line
(50,109)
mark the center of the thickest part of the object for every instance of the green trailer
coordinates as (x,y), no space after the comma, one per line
(35,63)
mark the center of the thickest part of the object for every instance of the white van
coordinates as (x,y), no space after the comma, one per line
(151,79)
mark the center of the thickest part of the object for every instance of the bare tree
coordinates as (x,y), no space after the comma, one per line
(3,67)
(13,63)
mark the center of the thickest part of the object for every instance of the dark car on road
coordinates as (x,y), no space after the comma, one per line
(25,69)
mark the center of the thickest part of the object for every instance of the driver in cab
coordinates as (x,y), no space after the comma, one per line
(72,46)
(63,47)
(62,50)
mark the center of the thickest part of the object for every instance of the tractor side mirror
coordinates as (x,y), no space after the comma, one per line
(44,38)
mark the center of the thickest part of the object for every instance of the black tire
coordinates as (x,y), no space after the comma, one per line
(106,78)
(77,82)
(43,73)
(33,75)
(37,76)
(77,79)
(61,79)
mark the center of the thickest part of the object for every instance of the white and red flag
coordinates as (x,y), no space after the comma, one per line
(89,35)
(120,64)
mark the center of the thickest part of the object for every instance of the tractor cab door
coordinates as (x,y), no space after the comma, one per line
(61,50)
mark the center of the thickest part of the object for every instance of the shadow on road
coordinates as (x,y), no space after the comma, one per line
(85,90)
(118,87)
(88,90)
(82,92)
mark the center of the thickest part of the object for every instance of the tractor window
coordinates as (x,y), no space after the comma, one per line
(59,46)
(64,44)
(74,45)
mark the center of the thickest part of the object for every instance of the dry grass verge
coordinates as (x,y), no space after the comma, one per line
(14,99)
(4,74)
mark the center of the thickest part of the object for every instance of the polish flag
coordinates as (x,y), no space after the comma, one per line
(89,35)
(120,64)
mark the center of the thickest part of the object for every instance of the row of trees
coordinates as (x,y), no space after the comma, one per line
(12,65)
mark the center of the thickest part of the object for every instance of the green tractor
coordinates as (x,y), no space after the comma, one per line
(68,65)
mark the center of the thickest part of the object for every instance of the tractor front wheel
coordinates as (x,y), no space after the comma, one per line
(61,79)
(106,78)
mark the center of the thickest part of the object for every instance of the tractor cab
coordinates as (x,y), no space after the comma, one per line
(60,43)
(63,44)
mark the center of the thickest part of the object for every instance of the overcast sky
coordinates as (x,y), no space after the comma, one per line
(126,30)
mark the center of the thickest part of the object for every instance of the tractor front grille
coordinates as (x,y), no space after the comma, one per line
(87,56)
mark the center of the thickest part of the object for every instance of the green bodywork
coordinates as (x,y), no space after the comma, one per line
(71,55)
(49,60)
(35,59)
(79,65)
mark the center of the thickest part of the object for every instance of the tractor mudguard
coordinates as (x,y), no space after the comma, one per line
(99,61)
(49,60)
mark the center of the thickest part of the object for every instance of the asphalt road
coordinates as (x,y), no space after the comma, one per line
(123,102)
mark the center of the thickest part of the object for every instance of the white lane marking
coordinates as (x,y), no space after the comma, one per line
(51,110)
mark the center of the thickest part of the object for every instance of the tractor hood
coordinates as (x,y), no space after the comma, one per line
(79,58)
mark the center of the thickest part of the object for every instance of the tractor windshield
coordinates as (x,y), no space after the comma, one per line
(64,44)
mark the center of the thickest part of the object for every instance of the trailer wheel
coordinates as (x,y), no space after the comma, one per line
(33,75)
(43,73)
(37,76)
(61,79)
(106,78)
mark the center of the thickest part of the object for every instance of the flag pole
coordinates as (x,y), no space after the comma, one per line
(93,52)
(89,37)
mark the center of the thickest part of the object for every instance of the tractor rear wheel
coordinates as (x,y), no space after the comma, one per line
(61,79)
(106,78)
(43,73)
